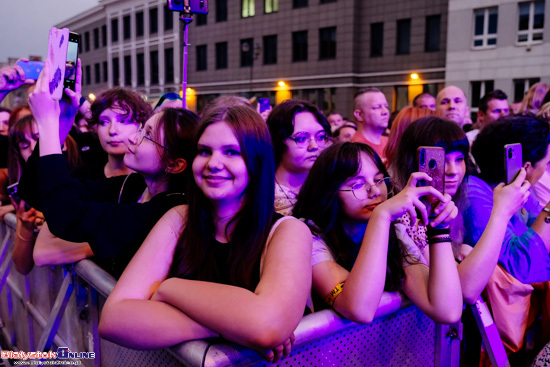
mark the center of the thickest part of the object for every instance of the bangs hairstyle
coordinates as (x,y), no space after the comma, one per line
(426,131)
(193,258)
(134,107)
(318,203)
(179,126)
(16,135)
(281,123)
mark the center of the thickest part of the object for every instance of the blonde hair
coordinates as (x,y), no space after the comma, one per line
(534,97)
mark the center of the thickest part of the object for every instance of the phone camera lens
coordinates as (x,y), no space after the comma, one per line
(432,164)
(422,157)
(510,153)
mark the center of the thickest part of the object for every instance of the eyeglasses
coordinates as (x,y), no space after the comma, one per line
(144,134)
(302,139)
(362,190)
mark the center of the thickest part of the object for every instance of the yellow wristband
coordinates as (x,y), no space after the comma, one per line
(334,293)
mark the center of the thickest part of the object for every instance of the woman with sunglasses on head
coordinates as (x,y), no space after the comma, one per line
(360,249)
(226,264)
(300,133)
(104,216)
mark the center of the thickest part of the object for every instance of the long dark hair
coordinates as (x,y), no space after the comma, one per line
(318,204)
(193,257)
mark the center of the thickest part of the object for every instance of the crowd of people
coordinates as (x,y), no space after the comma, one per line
(234,224)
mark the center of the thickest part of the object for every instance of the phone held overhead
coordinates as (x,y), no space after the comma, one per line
(63,56)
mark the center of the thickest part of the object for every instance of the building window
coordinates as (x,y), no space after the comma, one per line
(116,72)
(299,4)
(201,19)
(140,60)
(247,50)
(87,41)
(521,87)
(403,45)
(201,58)
(126,27)
(479,89)
(153,20)
(247,8)
(96,38)
(97,73)
(531,22)
(485,27)
(221,55)
(327,43)
(327,1)
(270,50)
(139,24)
(168,65)
(221,10)
(168,19)
(299,46)
(104,36)
(88,75)
(80,47)
(128,70)
(376,39)
(105,72)
(154,67)
(433,33)
(271,6)
(114,30)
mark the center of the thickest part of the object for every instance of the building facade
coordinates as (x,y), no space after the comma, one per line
(497,44)
(319,50)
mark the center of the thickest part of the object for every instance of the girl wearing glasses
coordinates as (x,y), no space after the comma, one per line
(225,265)
(360,240)
(300,133)
(112,222)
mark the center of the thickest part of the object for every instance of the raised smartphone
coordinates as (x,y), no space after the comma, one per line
(189,6)
(513,161)
(31,69)
(431,160)
(264,104)
(70,64)
(57,54)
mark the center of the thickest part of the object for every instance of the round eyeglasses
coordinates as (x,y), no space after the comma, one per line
(362,190)
(302,139)
(142,133)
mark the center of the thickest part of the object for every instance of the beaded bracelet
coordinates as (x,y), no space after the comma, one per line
(547,218)
(334,293)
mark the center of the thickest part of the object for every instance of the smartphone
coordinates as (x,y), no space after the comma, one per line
(431,160)
(513,161)
(12,191)
(264,104)
(189,6)
(72,58)
(57,55)
(31,69)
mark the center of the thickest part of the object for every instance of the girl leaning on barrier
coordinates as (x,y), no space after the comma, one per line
(225,265)
(346,202)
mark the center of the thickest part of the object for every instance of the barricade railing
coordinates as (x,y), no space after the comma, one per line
(55,307)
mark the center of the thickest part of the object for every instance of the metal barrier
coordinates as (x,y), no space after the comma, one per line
(55,307)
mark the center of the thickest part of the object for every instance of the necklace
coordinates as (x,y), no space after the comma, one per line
(290,202)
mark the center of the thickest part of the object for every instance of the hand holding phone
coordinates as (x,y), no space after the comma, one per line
(31,69)
(513,161)
(431,160)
